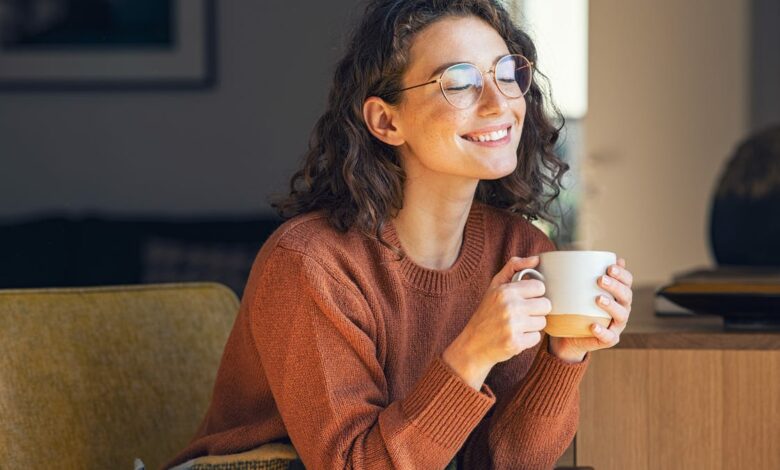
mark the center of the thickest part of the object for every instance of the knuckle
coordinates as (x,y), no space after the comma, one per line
(502,295)
(506,316)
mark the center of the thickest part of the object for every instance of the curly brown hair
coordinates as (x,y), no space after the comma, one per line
(357,179)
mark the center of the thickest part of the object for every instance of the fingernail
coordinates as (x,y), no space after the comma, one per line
(604,300)
(606,280)
(615,270)
(597,328)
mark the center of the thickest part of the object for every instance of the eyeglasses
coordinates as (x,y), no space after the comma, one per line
(462,84)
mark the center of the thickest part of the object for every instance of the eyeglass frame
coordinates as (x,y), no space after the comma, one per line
(492,71)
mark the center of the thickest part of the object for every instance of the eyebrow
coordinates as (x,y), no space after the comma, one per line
(444,67)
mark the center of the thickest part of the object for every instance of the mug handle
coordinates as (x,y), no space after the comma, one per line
(531,272)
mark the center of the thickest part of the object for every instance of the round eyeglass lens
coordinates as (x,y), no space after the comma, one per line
(513,75)
(462,85)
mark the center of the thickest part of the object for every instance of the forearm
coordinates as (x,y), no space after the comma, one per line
(572,357)
(466,363)
(534,420)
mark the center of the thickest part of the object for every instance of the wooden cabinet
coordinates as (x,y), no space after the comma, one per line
(680,393)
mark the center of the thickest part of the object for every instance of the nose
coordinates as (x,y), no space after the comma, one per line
(492,100)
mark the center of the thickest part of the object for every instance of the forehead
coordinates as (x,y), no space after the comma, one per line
(454,39)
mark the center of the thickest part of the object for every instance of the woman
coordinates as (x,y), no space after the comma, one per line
(379,326)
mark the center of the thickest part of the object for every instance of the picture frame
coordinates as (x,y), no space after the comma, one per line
(108,45)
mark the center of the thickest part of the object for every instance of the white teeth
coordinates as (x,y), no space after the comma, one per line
(490,136)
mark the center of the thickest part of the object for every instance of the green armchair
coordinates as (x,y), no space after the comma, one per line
(91,378)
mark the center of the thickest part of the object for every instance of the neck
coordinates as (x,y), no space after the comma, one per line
(430,225)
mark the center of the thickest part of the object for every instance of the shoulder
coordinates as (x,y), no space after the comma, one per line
(308,241)
(307,257)
(312,234)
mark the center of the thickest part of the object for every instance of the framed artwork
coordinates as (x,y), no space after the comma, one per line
(107,44)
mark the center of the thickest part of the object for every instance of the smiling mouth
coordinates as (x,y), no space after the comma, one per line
(494,136)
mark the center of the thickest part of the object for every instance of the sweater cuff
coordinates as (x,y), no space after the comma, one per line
(550,384)
(445,407)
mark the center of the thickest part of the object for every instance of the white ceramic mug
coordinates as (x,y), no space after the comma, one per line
(570,279)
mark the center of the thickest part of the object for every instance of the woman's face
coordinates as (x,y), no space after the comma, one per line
(439,137)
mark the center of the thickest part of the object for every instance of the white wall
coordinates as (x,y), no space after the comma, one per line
(668,102)
(213,151)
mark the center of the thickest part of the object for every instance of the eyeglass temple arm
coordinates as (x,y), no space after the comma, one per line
(418,86)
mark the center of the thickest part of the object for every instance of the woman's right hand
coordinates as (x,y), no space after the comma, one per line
(509,320)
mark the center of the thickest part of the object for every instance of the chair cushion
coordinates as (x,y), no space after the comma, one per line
(274,456)
(94,377)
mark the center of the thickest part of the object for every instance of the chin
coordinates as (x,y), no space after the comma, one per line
(501,167)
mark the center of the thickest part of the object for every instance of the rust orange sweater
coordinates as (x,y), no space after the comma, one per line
(338,346)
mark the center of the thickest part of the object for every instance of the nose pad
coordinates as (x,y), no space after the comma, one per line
(493,96)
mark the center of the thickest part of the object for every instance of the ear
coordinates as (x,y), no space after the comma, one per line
(381,119)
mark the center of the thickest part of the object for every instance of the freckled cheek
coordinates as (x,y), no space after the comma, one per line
(442,126)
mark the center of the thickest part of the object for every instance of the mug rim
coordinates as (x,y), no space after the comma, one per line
(580,252)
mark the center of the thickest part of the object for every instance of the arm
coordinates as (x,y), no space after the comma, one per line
(317,341)
(537,408)
(535,418)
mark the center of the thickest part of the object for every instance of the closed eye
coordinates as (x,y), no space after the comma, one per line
(459,88)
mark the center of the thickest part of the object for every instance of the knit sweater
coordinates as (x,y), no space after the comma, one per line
(337,346)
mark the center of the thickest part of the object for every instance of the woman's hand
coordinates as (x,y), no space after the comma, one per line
(509,320)
(617,281)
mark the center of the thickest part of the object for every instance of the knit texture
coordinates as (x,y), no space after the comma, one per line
(337,346)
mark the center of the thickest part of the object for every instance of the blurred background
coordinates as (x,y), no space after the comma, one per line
(140,140)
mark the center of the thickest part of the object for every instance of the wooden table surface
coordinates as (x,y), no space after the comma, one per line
(646,330)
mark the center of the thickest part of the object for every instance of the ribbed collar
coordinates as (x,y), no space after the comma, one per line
(440,282)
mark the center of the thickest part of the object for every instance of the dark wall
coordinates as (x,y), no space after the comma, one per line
(220,151)
(765,64)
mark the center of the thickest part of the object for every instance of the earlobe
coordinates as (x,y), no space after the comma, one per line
(380,119)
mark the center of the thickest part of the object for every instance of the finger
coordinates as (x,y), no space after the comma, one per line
(527,289)
(530,339)
(512,266)
(621,262)
(539,306)
(620,291)
(620,273)
(535,323)
(618,312)
(607,338)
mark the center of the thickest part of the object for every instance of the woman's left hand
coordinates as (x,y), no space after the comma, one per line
(617,281)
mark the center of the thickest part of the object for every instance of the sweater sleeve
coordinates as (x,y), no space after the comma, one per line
(537,408)
(316,339)
(534,421)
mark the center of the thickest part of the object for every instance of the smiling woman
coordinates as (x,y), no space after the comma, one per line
(379,327)
(382,63)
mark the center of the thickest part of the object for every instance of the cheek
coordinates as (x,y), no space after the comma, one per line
(440,125)
(520,110)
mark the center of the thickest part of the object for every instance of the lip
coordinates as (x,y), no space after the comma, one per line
(485,130)
(493,143)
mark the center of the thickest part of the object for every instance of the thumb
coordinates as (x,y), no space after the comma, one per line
(512,266)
